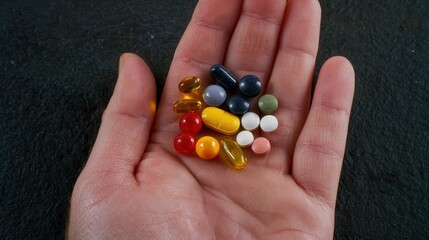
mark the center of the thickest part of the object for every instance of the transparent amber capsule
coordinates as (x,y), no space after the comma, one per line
(231,153)
(186,105)
(189,84)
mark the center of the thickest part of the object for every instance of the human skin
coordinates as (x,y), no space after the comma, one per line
(135,186)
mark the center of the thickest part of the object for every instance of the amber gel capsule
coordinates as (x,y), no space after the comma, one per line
(186,105)
(231,153)
(189,84)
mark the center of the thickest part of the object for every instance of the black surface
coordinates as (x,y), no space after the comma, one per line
(58,63)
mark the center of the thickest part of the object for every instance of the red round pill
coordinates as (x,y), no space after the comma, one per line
(191,122)
(184,143)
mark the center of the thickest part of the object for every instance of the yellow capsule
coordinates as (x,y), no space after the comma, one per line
(232,154)
(220,121)
(189,84)
(207,148)
(186,105)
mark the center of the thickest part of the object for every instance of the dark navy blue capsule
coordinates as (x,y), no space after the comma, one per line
(223,77)
(250,86)
(238,105)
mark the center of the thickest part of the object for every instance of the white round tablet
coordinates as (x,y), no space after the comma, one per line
(245,139)
(250,121)
(269,123)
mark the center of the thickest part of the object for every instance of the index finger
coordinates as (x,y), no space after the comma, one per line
(203,44)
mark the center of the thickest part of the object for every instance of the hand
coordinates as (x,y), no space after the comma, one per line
(135,186)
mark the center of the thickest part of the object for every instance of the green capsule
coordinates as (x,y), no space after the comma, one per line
(231,153)
(186,105)
(189,84)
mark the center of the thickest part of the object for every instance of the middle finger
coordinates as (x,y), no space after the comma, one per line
(253,45)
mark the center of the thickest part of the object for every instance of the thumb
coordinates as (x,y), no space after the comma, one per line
(126,122)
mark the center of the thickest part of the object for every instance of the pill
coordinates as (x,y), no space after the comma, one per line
(189,84)
(261,145)
(250,121)
(244,139)
(232,154)
(186,105)
(190,122)
(207,147)
(269,123)
(214,95)
(268,104)
(223,77)
(184,143)
(238,105)
(220,120)
(250,86)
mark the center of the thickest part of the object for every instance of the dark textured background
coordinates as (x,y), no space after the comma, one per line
(58,64)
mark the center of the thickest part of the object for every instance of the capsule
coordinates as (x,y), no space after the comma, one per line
(189,84)
(220,121)
(223,77)
(186,105)
(232,154)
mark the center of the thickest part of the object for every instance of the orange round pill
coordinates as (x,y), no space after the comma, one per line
(207,147)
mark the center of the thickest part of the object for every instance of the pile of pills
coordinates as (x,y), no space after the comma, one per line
(226,121)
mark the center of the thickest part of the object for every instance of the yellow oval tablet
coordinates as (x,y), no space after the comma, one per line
(220,121)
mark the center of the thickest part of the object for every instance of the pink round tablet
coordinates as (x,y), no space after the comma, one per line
(261,145)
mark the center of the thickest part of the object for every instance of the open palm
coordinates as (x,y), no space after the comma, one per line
(135,186)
